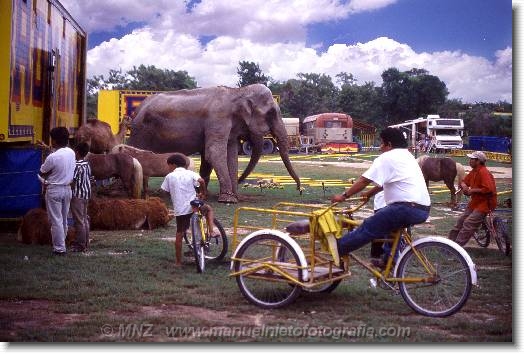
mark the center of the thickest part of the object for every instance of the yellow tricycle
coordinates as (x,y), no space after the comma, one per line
(297,252)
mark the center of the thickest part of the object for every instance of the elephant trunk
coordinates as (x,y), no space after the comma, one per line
(283,149)
(257,143)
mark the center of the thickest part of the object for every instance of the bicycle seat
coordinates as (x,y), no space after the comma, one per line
(196,203)
(298,227)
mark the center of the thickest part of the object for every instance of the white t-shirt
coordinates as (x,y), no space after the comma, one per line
(181,185)
(61,164)
(378,201)
(399,174)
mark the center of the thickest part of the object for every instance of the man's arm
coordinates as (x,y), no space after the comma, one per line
(359,185)
(372,192)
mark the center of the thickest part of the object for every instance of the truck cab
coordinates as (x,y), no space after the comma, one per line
(445,133)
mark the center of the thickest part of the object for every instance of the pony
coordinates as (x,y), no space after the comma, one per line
(127,168)
(153,164)
(99,136)
(443,169)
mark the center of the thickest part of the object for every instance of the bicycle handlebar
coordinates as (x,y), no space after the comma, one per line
(353,209)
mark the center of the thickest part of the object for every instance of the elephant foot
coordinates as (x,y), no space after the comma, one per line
(227,198)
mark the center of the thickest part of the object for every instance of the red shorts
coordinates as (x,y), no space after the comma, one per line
(182,222)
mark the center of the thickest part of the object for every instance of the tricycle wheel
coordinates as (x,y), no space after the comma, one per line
(324,288)
(266,260)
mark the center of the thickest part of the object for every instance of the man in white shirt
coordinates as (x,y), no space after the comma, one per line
(180,184)
(407,199)
(57,173)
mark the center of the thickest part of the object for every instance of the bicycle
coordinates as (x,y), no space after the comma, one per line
(493,227)
(203,245)
(433,275)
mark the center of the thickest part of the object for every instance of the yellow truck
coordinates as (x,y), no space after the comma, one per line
(42,86)
(114,105)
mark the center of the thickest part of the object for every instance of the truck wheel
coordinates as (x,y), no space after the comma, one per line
(268,147)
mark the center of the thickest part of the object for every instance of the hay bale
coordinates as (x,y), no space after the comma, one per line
(35,229)
(127,214)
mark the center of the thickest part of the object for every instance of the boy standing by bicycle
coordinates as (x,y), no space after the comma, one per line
(180,184)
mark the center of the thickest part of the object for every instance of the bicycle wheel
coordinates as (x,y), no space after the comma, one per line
(450,286)
(265,287)
(501,236)
(198,242)
(216,247)
(482,235)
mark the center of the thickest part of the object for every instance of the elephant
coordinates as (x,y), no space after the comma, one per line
(211,121)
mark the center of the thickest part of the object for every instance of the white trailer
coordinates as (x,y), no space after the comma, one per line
(439,133)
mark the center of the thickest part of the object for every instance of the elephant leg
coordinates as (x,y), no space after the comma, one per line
(215,156)
(232,163)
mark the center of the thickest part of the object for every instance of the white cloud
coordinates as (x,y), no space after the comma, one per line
(272,34)
(467,77)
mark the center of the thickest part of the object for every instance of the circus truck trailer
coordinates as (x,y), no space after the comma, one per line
(434,133)
(42,86)
(330,132)
(114,105)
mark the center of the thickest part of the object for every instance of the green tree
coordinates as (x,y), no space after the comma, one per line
(481,119)
(410,94)
(309,94)
(452,108)
(250,73)
(139,78)
(155,79)
(362,102)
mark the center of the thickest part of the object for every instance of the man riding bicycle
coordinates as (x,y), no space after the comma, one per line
(407,199)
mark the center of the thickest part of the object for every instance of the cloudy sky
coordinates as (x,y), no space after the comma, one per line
(466,43)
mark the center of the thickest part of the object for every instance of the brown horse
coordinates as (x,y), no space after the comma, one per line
(99,136)
(443,169)
(127,168)
(153,164)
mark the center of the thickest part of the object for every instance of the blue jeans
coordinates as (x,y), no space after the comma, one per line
(380,225)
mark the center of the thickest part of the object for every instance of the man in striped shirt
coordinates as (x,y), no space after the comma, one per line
(81,187)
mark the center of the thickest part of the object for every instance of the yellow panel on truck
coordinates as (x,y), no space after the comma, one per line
(114,105)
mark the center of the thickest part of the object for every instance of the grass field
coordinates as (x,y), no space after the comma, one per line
(126,287)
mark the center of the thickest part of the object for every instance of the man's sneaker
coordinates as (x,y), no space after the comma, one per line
(56,253)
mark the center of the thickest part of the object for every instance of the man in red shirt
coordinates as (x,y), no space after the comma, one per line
(480,185)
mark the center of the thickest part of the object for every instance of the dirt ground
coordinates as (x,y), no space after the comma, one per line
(34,314)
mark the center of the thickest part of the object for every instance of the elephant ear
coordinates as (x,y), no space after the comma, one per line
(244,109)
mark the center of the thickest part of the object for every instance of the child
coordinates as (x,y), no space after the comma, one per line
(57,174)
(81,188)
(180,184)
